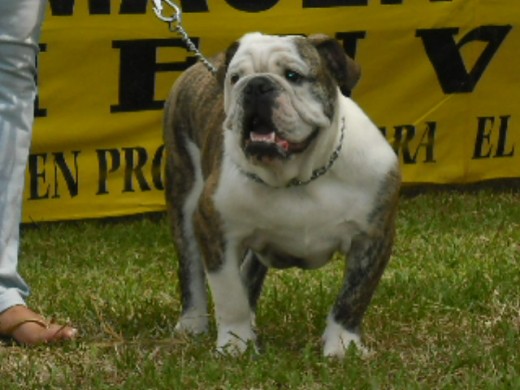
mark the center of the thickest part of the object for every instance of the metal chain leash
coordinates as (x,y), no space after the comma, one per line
(175,25)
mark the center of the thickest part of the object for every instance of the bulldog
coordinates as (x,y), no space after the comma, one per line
(270,164)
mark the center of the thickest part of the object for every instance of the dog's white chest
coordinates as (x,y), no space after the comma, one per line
(291,227)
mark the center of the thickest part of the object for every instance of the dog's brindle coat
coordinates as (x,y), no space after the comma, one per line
(233,228)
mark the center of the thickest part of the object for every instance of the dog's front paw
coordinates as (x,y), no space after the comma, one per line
(337,340)
(235,340)
(192,323)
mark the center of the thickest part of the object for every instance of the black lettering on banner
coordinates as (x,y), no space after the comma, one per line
(104,170)
(157,168)
(133,160)
(252,5)
(102,7)
(343,3)
(61,7)
(405,134)
(97,7)
(72,180)
(194,5)
(427,143)
(444,54)
(133,7)
(135,168)
(38,186)
(483,143)
(349,41)
(37,176)
(332,3)
(39,112)
(502,138)
(137,71)
(391,2)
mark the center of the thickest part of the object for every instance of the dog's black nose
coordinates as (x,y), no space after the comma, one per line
(259,86)
(258,97)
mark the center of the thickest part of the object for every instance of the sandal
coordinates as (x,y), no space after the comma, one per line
(28,328)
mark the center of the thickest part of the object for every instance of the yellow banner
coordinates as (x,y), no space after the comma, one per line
(440,78)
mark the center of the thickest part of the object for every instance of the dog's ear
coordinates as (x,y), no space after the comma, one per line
(228,56)
(344,69)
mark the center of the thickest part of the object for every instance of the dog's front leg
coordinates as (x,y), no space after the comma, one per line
(367,260)
(232,307)
(222,259)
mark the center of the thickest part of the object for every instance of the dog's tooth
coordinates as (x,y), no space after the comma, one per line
(259,137)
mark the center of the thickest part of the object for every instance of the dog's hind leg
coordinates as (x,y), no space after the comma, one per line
(184,184)
(253,275)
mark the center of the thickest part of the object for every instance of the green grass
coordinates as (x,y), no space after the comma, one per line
(446,314)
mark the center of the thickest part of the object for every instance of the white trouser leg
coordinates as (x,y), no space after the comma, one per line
(20,23)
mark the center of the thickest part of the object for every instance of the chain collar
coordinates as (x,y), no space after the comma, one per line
(318,172)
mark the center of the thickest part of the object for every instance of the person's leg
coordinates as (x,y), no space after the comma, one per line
(20,24)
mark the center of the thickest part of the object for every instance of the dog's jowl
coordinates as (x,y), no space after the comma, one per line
(270,164)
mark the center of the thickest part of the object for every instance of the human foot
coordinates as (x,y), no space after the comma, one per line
(28,328)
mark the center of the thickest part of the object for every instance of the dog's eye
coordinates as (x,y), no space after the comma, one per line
(234,79)
(293,77)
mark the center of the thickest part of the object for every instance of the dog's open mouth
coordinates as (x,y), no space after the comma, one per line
(262,140)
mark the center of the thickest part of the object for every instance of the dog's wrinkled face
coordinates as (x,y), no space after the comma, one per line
(279,94)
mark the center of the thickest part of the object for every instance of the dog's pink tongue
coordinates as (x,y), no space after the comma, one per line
(284,144)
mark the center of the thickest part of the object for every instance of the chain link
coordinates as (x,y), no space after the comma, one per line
(175,25)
